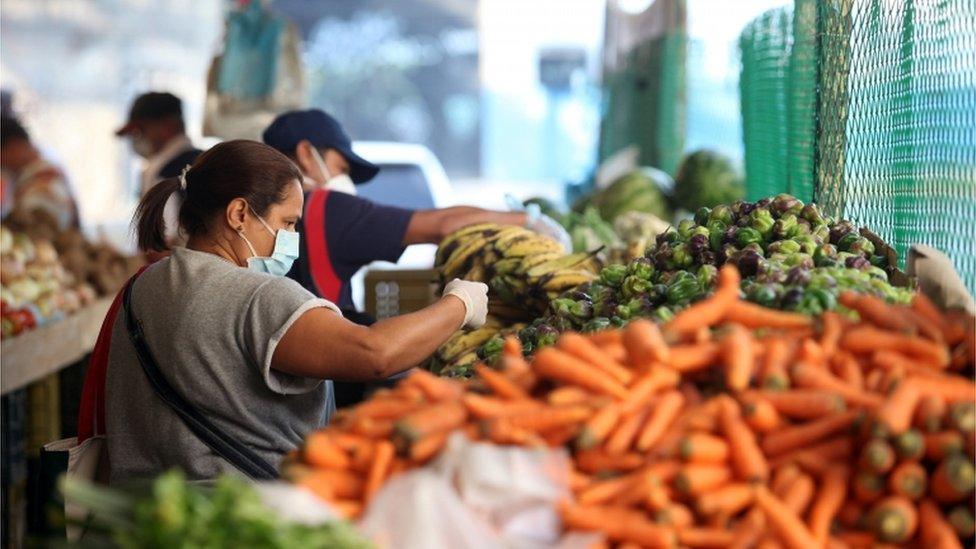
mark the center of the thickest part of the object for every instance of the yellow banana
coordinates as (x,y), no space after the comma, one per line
(452,241)
(463,342)
(458,260)
(560,263)
(531,246)
(531,261)
(560,281)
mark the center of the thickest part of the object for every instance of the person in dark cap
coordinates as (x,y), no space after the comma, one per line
(342,232)
(157,132)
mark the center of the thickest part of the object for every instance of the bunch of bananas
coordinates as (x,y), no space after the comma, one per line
(458,355)
(523,269)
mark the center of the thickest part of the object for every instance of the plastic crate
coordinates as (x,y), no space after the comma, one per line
(396,292)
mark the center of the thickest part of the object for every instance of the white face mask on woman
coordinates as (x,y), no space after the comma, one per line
(342,182)
(283,255)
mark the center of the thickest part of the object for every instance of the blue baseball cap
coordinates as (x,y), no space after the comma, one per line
(323,132)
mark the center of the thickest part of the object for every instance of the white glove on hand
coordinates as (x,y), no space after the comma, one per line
(474,295)
(545,225)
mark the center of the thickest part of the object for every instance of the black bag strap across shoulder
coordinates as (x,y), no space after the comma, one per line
(220,442)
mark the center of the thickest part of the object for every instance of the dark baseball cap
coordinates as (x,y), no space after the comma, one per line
(152,106)
(323,132)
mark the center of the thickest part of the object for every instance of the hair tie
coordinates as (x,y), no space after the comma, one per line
(186,170)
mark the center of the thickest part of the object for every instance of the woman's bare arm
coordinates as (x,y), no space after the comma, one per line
(322,344)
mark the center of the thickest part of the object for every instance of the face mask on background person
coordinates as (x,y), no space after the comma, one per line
(142,146)
(342,182)
(283,255)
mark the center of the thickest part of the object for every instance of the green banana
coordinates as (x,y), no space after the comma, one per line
(560,263)
(463,342)
(562,280)
(506,265)
(530,261)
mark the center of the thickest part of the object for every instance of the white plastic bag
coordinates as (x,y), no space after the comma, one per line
(475,495)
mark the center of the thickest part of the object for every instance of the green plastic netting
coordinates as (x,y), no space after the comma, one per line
(868,107)
(778,94)
(897,135)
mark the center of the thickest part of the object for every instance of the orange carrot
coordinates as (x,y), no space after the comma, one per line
(761,416)
(598,428)
(739,355)
(425,448)
(874,310)
(622,438)
(435,388)
(321,451)
(385,408)
(793,437)
(867,487)
(811,352)
(667,409)
(645,386)
(858,540)
(550,417)
(778,354)
(951,389)
(444,416)
(606,337)
(675,514)
(941,444)
(380,468)
(924,307)
(908,480)
(747,459)
(578,481)
(813,377)
(783,477)
(602,491)
(693,357)
(561,366)
(937,533)
(695,479)
(703,448)
(645,344)
(833,489)
(499,384)
(877,456)
(756,316)
(500,431)
(894,519)
(804,403)
(799,494)
(817,457)
(953,480)
(867,339)
(643,483)
(516,368)
(339,484)
(728,500)
(619,524)
(705,537)
(512,347)
(567,395)
(848,370)
(830,331)
(896,413)
(583,349)
(749,530)
(485,407)
(616,351)
(598,461)
(785,523)
(893,361)
(708,311)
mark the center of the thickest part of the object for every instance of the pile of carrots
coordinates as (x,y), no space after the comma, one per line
(730,426)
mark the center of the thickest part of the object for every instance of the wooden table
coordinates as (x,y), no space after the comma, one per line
(43,351)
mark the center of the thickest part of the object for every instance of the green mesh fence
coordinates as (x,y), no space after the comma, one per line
(897,136)
(763,87)
(778,94)
(645,103)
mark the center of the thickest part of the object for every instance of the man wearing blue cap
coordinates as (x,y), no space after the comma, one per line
(341,232)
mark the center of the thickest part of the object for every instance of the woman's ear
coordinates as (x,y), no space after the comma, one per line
(236,212)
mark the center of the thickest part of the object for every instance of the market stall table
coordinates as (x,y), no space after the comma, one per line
(33,355)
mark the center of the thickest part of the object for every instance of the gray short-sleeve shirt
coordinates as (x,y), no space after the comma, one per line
(212,327)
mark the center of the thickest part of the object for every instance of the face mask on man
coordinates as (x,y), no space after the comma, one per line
(142,146)
(283,255)
(342,182)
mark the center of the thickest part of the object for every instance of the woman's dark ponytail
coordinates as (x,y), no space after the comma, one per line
(150,222)
(232,169)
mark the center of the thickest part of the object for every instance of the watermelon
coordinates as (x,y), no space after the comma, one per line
(707,178)
(640,191)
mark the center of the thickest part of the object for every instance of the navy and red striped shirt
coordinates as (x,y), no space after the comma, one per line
(340,234)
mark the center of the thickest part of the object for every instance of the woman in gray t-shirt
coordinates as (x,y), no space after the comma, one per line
(247,347)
